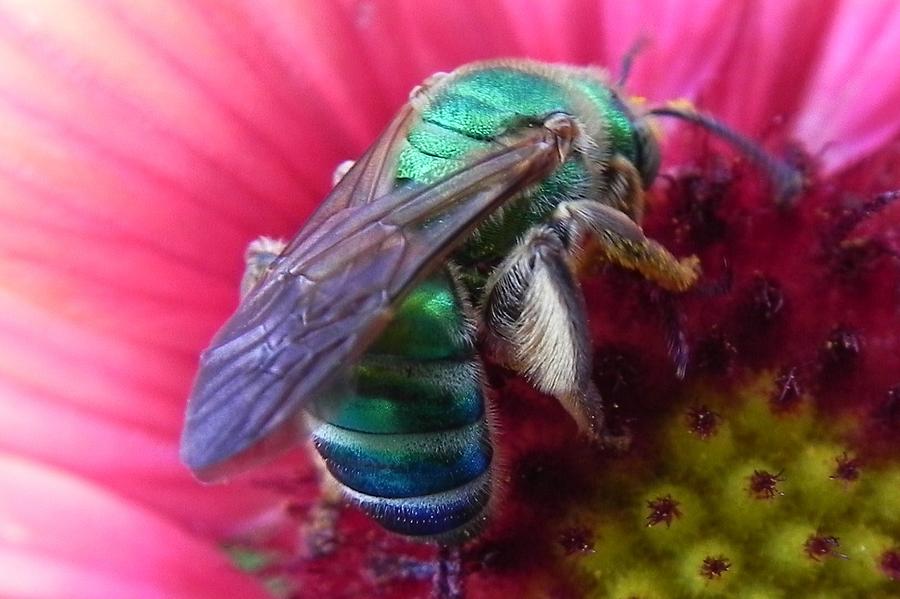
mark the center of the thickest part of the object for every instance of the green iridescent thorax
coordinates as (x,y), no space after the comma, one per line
(468,112)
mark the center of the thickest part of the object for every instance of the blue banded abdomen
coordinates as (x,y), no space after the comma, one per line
(406,433)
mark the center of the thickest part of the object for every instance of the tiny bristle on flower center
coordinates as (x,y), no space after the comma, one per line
(703,422)
(715,354)
(851,260)
(841,350)
(764,484)
(888,412)
(819,546)
(846,468)
(889,562)
(787,391)
(617,373)
(663,509)
(851,256)
(698,198)
(714,567)
(765,302)
(576,540)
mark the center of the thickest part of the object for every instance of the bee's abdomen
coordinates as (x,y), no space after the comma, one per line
(405,465)
(406,434)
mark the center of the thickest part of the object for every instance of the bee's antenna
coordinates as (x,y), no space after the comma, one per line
(628,59)
(787,180)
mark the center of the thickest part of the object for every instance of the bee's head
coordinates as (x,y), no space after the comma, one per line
(643,149)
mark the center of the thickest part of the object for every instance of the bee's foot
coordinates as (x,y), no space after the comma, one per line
(445,571)
(385,568)
(448,577)
(319,535)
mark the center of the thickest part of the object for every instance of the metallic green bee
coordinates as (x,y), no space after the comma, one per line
(466,219)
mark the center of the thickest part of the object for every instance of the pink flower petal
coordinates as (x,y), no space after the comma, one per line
(132,460)
(131,178)
(412,39)
(144,143)
(156,173)
(63,537)
(850,109)
(686,44)
(768,72)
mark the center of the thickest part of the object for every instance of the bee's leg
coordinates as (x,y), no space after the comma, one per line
(621,241)
(263,250)
(319,532)
(626,188)
(535,313)
(536,321)
(448,578)
(618,239)
(257,258)
(445,571)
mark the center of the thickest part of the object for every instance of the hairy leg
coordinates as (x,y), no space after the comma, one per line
(537,325)
(535,313)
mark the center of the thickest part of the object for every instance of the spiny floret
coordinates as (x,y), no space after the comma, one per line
(757,495)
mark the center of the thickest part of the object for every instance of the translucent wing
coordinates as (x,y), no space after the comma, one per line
(333,289)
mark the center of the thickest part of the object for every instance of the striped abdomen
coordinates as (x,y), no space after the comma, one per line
(407,434)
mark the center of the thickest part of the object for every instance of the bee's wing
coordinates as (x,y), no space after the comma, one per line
(332,290)
(370,177)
